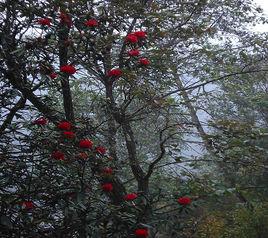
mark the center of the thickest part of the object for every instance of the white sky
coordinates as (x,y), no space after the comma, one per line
(264,5)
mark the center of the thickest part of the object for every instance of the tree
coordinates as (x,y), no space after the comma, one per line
(93,72)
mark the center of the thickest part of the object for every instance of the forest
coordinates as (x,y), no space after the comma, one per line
(133,119)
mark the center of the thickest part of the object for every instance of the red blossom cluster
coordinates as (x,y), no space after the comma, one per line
(142,233)
(144,61)
(134,52)
(27,205)
(115,73)
(133,38)
(130,197)
(184,201)
(66,128)
(107,187)
(91,23)
(83,155)
(69,134)
(68,69)
(44,21)
(65,19)
(86,144)
(100,150)
(40,121)
(64,125)
(53,75)
(140,34)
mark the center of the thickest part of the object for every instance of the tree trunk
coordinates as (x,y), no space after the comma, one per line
(205,138)
(66,91)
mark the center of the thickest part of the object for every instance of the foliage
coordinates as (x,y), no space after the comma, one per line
(69,61)
(241,223)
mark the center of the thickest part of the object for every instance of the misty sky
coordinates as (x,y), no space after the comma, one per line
(264,5)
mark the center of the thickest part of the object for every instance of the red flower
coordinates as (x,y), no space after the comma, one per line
(65,19)
(83,155)
(27,205)
(69,134)
(131,38)
(91,23)
(58,155)
(144,61)
(86,144)
(68,69)
(140,34)
(115,73)
(184,201)
(107,187)
(100,150)
(134,53)
(44,21)
(141,233)
(53,75)
(130,196)
(65,125)
(40,121)
(107,171)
